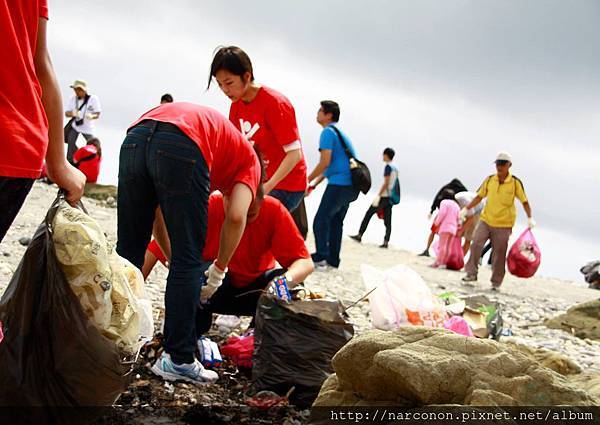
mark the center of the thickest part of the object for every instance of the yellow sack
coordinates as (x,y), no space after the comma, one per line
(109,288)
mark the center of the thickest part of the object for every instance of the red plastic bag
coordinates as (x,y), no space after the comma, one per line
(239,350)
(456,259)
(524,256)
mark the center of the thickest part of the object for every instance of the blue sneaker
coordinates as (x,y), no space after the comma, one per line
(191,372)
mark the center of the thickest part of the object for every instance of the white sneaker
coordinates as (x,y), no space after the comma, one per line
(321,266)
(189,372)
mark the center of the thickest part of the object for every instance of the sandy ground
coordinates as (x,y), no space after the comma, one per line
(526,302)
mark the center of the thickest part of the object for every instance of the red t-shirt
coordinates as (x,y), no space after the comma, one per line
(90,167)
(269,121)
(23,123)
(273,235)
(228,155)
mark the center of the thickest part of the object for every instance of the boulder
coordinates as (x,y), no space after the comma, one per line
(582,320)
(100,192)
(547,358)
(418,366)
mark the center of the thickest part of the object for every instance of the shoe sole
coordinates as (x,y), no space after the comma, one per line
(171,377)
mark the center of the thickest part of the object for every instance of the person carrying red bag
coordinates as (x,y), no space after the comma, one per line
(497,219)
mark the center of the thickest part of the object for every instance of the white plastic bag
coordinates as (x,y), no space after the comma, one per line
(401,298)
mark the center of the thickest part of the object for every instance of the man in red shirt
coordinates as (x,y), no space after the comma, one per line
(30,111)
(173,157)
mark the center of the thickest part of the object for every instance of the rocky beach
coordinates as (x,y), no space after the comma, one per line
(525,303)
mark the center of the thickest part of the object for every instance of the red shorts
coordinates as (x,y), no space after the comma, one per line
(155,249)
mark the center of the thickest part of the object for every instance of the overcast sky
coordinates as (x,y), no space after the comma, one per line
(445,83)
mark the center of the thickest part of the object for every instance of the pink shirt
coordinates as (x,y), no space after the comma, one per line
(447,217)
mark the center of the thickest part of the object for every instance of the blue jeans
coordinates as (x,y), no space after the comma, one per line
(160,167)
(290,200)
(329,222)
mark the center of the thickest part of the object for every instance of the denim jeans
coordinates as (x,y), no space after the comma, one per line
(13,192)
(229,299)
(167,169)
(290,200)
(329,222)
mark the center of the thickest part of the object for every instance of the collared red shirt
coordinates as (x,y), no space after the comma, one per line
(500,208)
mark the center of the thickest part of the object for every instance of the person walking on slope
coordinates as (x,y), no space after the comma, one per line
(30,111)
(388,196)
(334,165)
(497,219)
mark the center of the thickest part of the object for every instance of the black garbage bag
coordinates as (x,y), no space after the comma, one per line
(294,344)
(52,356)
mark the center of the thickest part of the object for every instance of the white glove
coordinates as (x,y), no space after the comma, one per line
(376,200)
(429,215)
(75,113)
(89,116)
(531,223)
(462,215)
(214,279)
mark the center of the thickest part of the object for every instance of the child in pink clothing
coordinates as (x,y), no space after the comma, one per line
(447,223)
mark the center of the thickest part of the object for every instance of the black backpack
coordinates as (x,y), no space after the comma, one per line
(361,176)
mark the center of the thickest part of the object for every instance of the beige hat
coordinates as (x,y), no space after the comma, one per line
(79,84)
(503,156)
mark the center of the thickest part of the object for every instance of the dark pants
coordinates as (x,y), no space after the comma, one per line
(328,224)
(157,167)
(71,141)
(13,192)
(384,203)
(290,200)
(231,300)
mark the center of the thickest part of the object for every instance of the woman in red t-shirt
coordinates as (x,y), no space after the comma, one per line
(268,120)
(87,159)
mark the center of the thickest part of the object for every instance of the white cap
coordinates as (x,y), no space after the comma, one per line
(503,156)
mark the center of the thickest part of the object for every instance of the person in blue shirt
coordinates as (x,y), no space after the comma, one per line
(335,166)
(387,197)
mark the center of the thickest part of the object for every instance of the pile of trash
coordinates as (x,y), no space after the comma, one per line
(524,256)
(591,272)
(400,297)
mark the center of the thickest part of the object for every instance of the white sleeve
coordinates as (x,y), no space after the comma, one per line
(292,146)
(95,104)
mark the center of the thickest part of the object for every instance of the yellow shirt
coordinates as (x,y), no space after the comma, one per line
(500,208)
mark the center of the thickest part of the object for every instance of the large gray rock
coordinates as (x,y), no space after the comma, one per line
(582,320)
(417,366)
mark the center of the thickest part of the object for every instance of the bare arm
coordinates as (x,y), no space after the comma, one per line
(289,162)
(299,270)
(324,161)
(384,186)
(474,202)
(527,209)
(234,224)
(159,230)
(59,170)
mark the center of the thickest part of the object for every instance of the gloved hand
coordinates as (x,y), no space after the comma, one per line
(531,223)
(214,279)
(429,215)
(89,116)
(75,113)
(462,215)
(375,202)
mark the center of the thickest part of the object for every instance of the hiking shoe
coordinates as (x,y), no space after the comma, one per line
(321,266)
(190,372)
(357,238)
(469,280)
(384,245)
(424,253)
(495,288)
